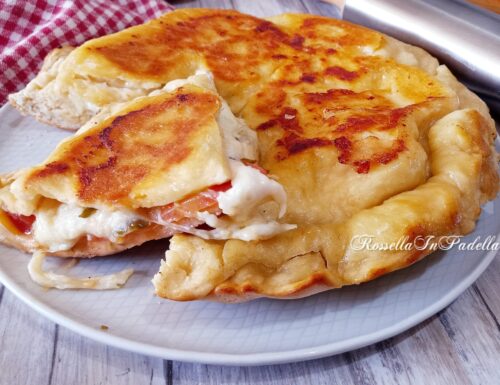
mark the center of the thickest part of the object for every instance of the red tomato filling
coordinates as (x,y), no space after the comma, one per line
(187,208)
(205,201)
(23,223)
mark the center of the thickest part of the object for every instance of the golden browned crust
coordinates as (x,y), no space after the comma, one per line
(366,134)
(108,161)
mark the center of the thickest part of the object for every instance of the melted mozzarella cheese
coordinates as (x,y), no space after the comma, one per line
(250,188)
(253,230)
(240,142)
(50,279)
(253,204)
(60,228)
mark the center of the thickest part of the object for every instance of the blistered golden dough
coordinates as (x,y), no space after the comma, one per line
(134,159)
(315,258)
(368,136)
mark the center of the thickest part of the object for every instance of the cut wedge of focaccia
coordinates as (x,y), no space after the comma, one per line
(368,136)
(175,161)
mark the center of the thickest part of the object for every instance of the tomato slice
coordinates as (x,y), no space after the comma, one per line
(16,223)
(205,201)
(187,208)
(221,187)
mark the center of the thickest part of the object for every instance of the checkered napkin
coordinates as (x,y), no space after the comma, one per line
(30,29)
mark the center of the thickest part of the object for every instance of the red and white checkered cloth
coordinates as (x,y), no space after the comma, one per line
(30,29)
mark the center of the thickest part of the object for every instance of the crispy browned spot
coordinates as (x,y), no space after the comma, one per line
(308,78)
(53,168)
(338,118)
(270,31)
(297,42)
(374,119)
(287,120)
(341,73)
(295,144)
(330,95)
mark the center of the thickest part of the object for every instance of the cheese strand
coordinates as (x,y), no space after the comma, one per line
(50,279)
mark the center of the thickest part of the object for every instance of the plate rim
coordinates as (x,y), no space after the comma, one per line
(247,359)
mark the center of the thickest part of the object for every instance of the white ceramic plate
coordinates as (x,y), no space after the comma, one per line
(259,332)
